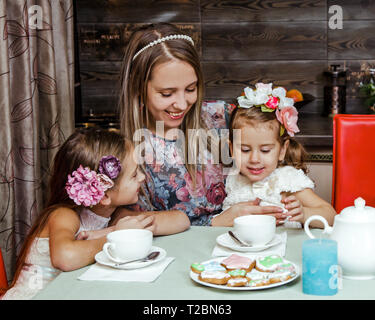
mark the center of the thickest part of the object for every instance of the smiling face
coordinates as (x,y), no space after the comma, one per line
(127,188)
(258,152)
(171,93)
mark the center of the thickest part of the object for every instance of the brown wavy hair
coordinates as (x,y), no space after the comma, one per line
(296,154)
(84,147)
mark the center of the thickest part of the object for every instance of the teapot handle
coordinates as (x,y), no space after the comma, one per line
(327,228)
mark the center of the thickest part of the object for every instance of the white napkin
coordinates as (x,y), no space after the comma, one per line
(146,274)
(220,251)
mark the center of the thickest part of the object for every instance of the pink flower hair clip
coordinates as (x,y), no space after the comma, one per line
(87,187)
(272,100)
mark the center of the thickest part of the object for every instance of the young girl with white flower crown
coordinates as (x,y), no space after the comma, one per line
(271,163)
(93,173)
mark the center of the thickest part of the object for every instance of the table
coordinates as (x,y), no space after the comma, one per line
(196,244)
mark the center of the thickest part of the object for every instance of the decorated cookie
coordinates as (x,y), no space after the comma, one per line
(279,276)
(268,263)
(197,267)
(235,261)
(214,277)
(237,273)
(287,266)
(283,272)
(237,282)
(213,266)
(258,283)
(256,275)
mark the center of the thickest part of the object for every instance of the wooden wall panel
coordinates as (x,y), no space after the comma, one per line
(356,9)
(106,42)
(241,42)
(264,41)
(224,78)
(260,11)
(135,11)
(356,40)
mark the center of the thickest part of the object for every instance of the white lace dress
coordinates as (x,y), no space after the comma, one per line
(283,179)
(38,271)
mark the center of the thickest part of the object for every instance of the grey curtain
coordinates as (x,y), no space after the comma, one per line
(36,109)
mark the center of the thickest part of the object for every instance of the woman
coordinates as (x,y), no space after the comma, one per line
(161,102)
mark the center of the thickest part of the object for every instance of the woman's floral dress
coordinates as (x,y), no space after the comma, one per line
(168,183)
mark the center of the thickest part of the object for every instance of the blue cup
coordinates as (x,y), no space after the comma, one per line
(319,267)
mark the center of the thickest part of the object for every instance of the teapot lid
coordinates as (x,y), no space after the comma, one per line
(359,212)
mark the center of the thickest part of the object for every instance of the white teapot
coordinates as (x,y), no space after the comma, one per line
(354,231)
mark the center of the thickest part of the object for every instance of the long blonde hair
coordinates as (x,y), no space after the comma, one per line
(136,73)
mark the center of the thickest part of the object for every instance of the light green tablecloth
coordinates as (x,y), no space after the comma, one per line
(174,283)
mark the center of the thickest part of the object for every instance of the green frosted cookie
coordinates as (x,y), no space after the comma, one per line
(237,273)
(269,263)
(197,267)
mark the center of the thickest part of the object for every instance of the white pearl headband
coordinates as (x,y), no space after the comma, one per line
(172,37)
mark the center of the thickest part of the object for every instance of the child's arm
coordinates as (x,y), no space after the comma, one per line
(166,222)
(303,204)
(66,252)
(124,223)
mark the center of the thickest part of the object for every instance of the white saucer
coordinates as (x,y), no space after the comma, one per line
(225,240)
(101,258)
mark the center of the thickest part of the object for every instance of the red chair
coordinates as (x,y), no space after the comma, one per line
(353,160)
(3,276)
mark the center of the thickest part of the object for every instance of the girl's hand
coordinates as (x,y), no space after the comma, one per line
(245,208)
(136,222)
(93,234)
(294,207)
(129,222)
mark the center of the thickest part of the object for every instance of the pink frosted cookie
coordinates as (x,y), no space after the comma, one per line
(214,277)
(238,262)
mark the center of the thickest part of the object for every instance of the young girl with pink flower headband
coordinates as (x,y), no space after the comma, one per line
(271,162)
(94,172)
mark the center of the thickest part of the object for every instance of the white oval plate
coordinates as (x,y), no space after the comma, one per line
(101,258)
(225,240)
(194,276)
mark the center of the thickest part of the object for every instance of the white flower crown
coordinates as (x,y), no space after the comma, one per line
(262,95)
(272,100)
(171,37)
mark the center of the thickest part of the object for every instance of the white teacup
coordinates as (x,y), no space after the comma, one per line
(128,244)
(257,230)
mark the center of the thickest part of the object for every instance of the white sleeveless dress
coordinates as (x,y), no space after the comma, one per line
(38,271)
(268,190)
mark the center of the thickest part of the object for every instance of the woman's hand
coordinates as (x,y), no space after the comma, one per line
(294,207)
(136,222)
